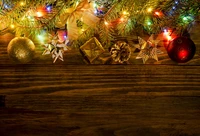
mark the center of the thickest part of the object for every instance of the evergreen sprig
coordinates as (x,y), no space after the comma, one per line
(176,14)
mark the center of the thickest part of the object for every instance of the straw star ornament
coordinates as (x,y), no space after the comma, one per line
(56,49)
(148,49)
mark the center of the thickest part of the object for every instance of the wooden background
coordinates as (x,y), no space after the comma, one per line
(72,98)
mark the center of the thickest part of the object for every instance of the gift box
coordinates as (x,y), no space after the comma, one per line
(91,50)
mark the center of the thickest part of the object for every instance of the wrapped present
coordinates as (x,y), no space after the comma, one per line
(91,50)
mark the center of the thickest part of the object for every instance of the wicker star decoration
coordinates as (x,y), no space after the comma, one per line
(148,49)
(55,48)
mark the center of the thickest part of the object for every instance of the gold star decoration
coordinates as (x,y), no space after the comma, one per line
(148,49)
(55,48)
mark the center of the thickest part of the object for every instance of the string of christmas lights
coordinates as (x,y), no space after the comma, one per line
(84,19)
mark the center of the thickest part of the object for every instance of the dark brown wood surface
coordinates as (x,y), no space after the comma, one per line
(72,98)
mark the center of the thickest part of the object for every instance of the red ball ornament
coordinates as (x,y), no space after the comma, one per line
(181,49)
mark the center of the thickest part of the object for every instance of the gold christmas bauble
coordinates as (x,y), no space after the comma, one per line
(21,50)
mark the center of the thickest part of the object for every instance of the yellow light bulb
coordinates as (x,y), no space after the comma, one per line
(106,23)
(12,26)
(22,3)
(149,9)
(94,5)
(77,3)
(125,13)
(122,19)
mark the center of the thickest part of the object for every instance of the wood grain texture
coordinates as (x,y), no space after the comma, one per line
(88,100)
(71,98)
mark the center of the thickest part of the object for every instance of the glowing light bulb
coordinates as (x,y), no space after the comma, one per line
(41,38)
(48,8)
(106,23)
(169,37)
(62,34)
(125,13)
(122,19)
(39,14)
(82,30)
(165,31)
(12,26)
(77,3)
(148,23)
(95,11)
(94,5)
(6,6)
(149,10)
(157,13)
(22,3)
(185,18)
(167,34)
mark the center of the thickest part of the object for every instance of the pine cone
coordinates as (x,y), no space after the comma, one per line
(120,52)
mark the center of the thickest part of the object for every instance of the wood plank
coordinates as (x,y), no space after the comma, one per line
(71,98)
(107,100)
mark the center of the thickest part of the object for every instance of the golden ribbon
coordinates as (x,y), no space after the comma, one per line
(82,11)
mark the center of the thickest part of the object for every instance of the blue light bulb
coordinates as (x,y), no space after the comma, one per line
(48,8)
(6,6)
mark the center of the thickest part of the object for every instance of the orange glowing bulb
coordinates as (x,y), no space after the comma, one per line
(157,13)
(106,23)
(122,19)
(169,37)
(39,14)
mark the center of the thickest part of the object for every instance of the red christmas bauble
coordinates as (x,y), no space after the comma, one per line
(181,49)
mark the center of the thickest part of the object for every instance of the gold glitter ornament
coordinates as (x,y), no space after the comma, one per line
(21,50)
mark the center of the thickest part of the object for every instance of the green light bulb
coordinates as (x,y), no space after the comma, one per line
(185,18)
(148,23)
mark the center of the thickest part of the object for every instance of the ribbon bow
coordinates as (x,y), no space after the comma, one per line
(82,11)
